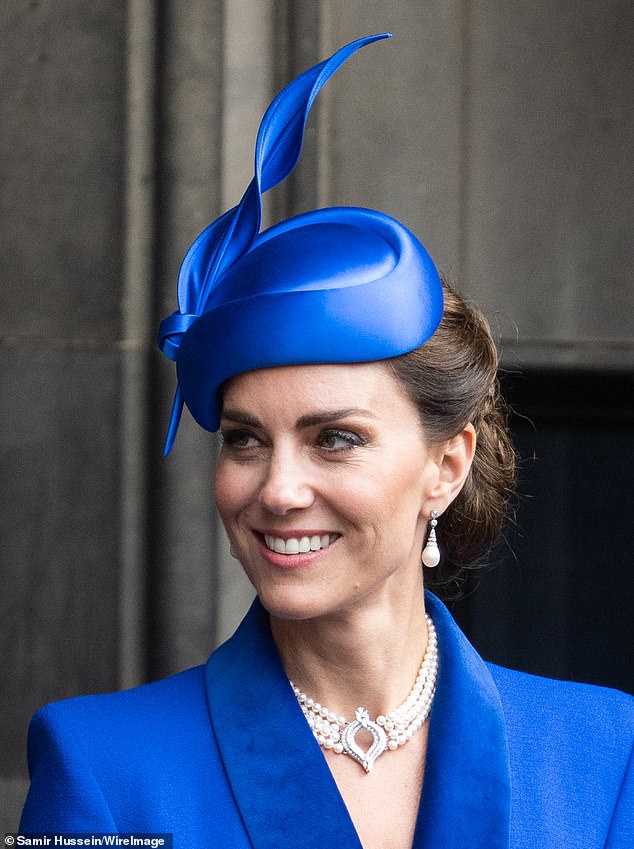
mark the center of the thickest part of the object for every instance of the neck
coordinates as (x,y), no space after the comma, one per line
(366,657)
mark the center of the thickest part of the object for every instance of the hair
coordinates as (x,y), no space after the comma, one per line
(452,380)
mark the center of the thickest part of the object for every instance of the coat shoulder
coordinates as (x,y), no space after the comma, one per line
(568,704)
(147,718)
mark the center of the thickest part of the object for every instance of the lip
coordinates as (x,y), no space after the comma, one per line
(292,561)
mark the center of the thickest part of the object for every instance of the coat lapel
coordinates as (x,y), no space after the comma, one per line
(279,777)
(466,790)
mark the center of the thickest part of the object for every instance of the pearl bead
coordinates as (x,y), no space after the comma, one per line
(431,556)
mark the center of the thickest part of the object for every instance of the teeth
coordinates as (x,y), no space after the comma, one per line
(299,545)
(292,546)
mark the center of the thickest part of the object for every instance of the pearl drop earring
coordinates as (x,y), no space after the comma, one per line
(431,554)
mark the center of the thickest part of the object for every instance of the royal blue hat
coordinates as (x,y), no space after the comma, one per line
(336,285)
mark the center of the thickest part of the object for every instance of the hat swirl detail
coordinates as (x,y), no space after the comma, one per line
(278,147)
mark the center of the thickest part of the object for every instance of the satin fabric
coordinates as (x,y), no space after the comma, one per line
(337,285)
(334,285)
(221,756)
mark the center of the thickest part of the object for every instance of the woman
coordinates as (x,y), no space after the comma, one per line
(362,425)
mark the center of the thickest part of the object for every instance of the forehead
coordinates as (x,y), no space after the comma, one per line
(298,389)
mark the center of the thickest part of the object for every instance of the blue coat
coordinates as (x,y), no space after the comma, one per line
(222,757)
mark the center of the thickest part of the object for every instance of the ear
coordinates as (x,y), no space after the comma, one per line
(453,461)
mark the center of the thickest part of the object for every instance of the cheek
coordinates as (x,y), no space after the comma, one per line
(230,487)
(406,479)
(389,503)
(403,497)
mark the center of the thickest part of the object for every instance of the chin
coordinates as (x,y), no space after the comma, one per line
(293,604)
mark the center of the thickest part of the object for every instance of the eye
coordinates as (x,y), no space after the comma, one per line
(339,440)
(239,440)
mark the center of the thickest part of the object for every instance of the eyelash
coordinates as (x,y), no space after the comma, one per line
(233,438)
(353,440)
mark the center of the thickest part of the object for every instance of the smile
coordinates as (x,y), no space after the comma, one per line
(299,545)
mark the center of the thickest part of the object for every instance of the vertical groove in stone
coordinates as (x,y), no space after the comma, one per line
(247,90)
(250,43)
(182,590)
(297,47)
(139,250)
(278,197)
(219,542)
(465,141)
(303,52)
(323,129)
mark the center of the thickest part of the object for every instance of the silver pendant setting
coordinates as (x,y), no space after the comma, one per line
(354,750)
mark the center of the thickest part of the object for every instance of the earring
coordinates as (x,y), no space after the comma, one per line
(232,552)
(431,554)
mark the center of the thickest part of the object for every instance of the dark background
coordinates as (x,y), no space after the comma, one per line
(559,596)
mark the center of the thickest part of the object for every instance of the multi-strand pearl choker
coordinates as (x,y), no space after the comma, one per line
(388,732)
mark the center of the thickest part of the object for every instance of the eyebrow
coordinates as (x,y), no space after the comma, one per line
(308,420)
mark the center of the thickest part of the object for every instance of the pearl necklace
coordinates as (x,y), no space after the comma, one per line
(388,732)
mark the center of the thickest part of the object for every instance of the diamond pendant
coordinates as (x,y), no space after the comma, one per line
(352,748)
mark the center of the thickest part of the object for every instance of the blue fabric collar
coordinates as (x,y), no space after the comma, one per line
(466,795)
(282,784)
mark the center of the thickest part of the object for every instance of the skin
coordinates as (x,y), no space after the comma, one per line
(339,450)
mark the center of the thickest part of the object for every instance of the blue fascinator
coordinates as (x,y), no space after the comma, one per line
(335,285)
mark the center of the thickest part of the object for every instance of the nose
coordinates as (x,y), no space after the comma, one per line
(287,484)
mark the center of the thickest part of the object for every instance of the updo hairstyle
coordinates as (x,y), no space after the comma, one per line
(452,380)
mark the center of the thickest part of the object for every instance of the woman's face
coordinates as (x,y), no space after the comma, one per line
(324,484)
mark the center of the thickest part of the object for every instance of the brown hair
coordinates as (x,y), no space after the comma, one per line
(452,380)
